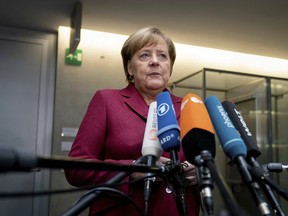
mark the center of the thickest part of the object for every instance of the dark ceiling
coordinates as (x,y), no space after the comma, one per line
(249,26)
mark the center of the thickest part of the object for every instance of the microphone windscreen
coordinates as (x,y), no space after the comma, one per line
(168,128)
(230,140)
(197,133)
(151,145)
(11,159)
(241,126)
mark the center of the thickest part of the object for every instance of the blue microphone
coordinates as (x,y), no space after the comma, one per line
(168,128)
(230,140)
(169,138)
(235,148)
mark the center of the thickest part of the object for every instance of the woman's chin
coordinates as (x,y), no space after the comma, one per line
(156,86)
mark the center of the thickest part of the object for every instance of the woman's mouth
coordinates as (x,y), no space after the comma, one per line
(154,74)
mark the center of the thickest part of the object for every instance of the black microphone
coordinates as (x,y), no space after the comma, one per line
(151,148)
(13,160)
(169,137)
(238,121)
(234,147)
(197,135)
(242,127)
(253,152)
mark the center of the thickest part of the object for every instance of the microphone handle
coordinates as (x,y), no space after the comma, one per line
(205,182)
(272,199)
(179,181)
(223,188)
(283,193)
(151,161)
(258,173)
(253,187)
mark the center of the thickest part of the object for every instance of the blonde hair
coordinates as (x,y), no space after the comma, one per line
(141,38)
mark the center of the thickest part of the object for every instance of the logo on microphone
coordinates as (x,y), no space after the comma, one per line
(243,122)
(196,100)
(152,134)
(193,99)
(169,138)
(163,109)
(225,117)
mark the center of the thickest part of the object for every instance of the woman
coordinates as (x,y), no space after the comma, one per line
(112,130)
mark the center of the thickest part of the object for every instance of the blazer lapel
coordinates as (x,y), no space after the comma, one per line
(134,100)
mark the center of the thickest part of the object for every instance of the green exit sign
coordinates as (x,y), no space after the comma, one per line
(73,59)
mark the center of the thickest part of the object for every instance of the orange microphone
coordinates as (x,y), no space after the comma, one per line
(197,133)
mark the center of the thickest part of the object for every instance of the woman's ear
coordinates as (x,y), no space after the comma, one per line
(129,68)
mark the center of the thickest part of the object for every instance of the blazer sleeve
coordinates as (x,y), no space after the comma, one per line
(90,144)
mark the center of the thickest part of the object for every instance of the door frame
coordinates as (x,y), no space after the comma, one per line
(46,103)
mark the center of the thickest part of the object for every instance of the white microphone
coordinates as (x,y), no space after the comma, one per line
(151,148)
(151,145)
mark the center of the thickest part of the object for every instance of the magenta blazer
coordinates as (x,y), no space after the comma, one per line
(112,130)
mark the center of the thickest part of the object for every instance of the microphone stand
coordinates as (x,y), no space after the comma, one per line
(224,191)
(258,172)
(252,186)
(205,185)
(151,160)
(277,188)
(259,175)
(179,181)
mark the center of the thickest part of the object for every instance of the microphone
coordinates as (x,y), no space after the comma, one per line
(233,147)
(168,128)
(169,138)
(12,160)
(197,135)
(253,152)
(151,145)
(277,167)
(241,126)
(231,142)
(151,148)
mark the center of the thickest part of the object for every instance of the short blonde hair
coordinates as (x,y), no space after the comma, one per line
(141,38)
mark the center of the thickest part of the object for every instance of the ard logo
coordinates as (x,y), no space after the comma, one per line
(163,109)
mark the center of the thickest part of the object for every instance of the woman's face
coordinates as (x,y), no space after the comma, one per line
(151,67)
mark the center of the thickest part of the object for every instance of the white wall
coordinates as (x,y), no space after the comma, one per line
(102,68)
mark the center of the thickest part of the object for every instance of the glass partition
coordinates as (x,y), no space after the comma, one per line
(279,104)
(263,103)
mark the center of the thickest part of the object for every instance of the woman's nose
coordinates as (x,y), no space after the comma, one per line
(154,60)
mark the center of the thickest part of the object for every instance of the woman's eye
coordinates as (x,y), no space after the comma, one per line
(162,57)
(144,57)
